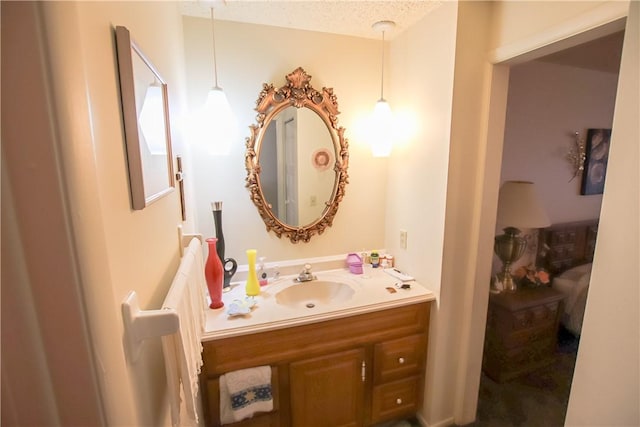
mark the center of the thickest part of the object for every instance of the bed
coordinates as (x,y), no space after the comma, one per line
(566,251)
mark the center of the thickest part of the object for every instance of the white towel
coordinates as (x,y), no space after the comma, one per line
(183,350)
(226,414)
(244,393)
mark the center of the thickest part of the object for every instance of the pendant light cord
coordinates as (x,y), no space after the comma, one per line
(382,72)
(213,40)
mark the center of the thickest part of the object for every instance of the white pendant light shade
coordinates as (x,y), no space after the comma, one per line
(216,100)
(381,130)
(215,124)
(152,122)
(381,136)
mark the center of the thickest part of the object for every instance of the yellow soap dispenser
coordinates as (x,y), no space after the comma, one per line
(252,288)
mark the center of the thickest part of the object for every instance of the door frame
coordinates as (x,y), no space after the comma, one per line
(602,20)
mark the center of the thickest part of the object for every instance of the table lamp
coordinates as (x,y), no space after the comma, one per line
(518,207)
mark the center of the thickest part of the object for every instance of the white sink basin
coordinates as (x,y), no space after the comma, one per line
(314,293)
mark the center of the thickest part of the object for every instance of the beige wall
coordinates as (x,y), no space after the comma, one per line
(249,55)
(422,70)
(45,347)
(472,76)
(526,30)
(313,184)
(539,132)
(515,22)
(115,249)
(602,19)
(422,66)
(606,388)
(140,246)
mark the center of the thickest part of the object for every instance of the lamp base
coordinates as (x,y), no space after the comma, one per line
(506,279)
(509,247)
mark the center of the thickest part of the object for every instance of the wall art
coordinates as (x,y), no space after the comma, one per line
(145,111)
(597,154)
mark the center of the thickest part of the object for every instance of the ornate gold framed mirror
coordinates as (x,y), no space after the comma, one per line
(297,158)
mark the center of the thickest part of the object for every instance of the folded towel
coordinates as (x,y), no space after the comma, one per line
(244,393)
(183,350)
(226,414)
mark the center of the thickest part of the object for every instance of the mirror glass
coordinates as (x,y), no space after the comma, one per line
(296,158)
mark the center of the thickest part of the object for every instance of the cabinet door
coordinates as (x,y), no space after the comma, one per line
(328,390)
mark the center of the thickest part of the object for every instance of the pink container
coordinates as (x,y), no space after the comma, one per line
(355,263)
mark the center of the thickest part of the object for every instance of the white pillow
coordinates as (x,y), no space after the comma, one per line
(572,283)
(576,273)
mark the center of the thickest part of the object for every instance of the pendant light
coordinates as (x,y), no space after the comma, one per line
(216,122)
(382,119)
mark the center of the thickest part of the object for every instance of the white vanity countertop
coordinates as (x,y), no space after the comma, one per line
(370,294)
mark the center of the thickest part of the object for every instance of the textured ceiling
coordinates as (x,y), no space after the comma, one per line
(355,18)
(352,18)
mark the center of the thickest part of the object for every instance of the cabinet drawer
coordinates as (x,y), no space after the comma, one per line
(536,316)
(502,364)
(507,322)
(396,399)
(520,338)
(399,358)
(533,353)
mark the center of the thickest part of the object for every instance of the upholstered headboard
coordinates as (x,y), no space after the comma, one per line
(563,246)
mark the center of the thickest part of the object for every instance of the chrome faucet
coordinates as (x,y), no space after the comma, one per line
(305,275)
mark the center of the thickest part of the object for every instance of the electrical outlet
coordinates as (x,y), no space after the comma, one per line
(403,239)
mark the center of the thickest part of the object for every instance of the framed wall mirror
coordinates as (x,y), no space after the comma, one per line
(145,111)
(297,158)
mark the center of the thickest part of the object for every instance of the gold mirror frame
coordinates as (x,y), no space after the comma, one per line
(299,93)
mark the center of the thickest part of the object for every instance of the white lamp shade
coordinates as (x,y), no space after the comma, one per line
(214,124)
(381,130)
(519,206)
(151,120)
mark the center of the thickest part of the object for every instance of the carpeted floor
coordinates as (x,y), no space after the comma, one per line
(404,423)
(536,399)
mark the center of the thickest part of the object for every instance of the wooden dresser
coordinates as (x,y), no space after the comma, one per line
(521,333)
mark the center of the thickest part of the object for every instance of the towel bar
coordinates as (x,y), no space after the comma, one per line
(184,239)
(142,324)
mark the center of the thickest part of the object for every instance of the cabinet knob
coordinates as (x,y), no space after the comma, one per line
(401,360)
(399,401)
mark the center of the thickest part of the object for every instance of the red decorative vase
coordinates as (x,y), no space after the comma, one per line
(214,275)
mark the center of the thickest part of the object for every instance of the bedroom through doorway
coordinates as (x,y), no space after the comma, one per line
(552,103)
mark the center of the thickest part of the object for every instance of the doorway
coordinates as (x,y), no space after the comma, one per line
(555,39)
(548,101)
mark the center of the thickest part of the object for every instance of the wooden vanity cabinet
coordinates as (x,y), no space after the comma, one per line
(354,371)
